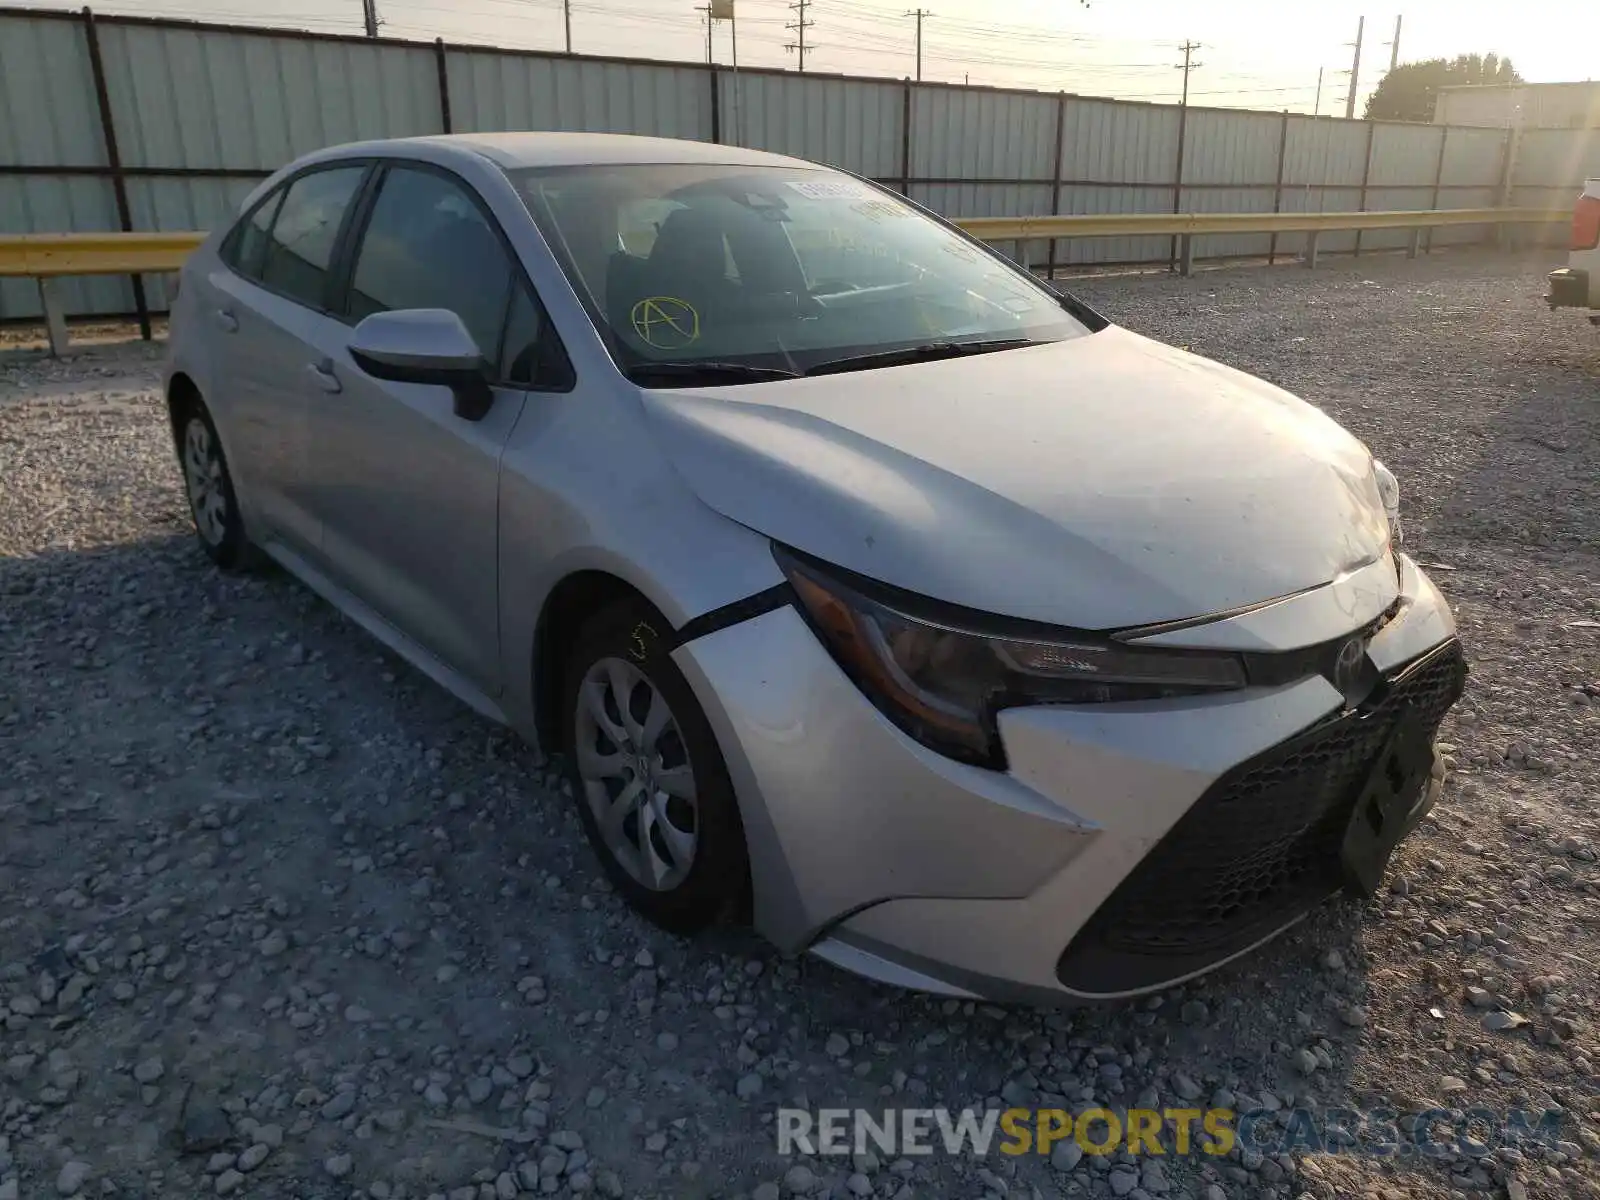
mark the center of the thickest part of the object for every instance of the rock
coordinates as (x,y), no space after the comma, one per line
(1305,1061)
(837,1046)
(254,1156)
(72,1177)
(479,1088)
(1194,1012)
(1066,1155)
(1452,1083)
(1186,1087)
(1497,1021)
(229,1182)
(274,944)
(9,1190)
(799,1179)
(203,1125)
(341,1106)
(1122,1181)
(520,1065)
(149,1070)
(1516,1189)
(749,1086)
(338,1165)
(766,1191)
(1153,1177)
(666,1040)
(858,1185)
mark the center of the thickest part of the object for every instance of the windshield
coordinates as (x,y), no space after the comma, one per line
(770,271)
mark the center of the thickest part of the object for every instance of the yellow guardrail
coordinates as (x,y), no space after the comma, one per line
(47,256)
(1004,229)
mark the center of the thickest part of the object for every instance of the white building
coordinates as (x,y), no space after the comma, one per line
(1542,105)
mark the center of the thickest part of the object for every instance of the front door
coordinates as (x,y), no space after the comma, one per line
(407,491)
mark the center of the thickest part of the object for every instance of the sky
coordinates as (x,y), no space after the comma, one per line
(1262,54)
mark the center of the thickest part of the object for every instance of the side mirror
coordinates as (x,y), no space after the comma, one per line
(425,345)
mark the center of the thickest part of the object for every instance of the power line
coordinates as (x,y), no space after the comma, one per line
(799,25)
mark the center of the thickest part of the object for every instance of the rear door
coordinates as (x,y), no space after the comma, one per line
(408,492)
(266,302)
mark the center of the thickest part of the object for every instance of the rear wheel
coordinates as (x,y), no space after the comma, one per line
(652,789)
(206,480)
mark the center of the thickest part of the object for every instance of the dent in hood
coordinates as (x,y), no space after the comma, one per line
(1100,482)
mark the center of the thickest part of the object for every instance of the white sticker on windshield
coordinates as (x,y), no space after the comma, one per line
(831,189)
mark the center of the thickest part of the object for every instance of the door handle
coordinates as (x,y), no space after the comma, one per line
(322,372)
(226,321)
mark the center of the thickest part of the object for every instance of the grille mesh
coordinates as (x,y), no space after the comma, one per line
(1264,841)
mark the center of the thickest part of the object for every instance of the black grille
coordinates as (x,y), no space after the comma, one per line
(1260,846)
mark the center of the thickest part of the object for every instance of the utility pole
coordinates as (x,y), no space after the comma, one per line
(1316,110)
(1394,46)
(566,18)
(369,14)
(1187,65)
(706,8)
(800,25)
(1355,70)
(919,14)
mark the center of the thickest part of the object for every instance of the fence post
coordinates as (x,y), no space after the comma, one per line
(444,83)
(119,184)
(1277,187)
(905,138)
(1366,175)
(1438,178)
(1508,170)
(716,105)
(1055,181)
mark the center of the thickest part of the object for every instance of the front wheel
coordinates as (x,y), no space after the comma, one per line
(652,789)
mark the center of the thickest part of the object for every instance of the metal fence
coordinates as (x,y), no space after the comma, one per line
(111,123)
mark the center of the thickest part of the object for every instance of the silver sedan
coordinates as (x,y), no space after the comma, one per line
(871,589)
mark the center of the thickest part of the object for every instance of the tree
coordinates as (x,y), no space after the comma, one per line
(1407,92)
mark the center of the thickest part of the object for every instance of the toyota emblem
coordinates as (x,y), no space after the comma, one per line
(1347,666)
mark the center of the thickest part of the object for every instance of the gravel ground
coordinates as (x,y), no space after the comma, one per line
(282,919)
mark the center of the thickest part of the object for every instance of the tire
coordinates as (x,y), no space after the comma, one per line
(691,868)
(208,484)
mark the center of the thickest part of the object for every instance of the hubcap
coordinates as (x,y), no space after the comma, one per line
(202,472)
(637,780)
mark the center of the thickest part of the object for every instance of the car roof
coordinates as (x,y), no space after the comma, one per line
(513,150)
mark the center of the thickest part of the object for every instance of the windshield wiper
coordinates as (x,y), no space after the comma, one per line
(688,374)
(925,352)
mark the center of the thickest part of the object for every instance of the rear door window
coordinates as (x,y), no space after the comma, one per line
(299,248)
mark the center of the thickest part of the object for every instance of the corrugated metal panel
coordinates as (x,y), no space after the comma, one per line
(957,134)
(1474,157)
(48,114)
(199,99)
(1086,199)
(1557,157)
(1231,147)
(177,204)
(1321,150)
(1404,155)
(1230,200)
(70,204)
(511,91)
(843,122)
(1118,143)
(1304,199)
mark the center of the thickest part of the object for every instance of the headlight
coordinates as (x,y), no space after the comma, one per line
(1389,491)
(942,675)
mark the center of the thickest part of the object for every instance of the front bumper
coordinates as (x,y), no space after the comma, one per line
(1128,846)
(1568,288)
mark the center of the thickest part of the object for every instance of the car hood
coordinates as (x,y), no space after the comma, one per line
(1100,482)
